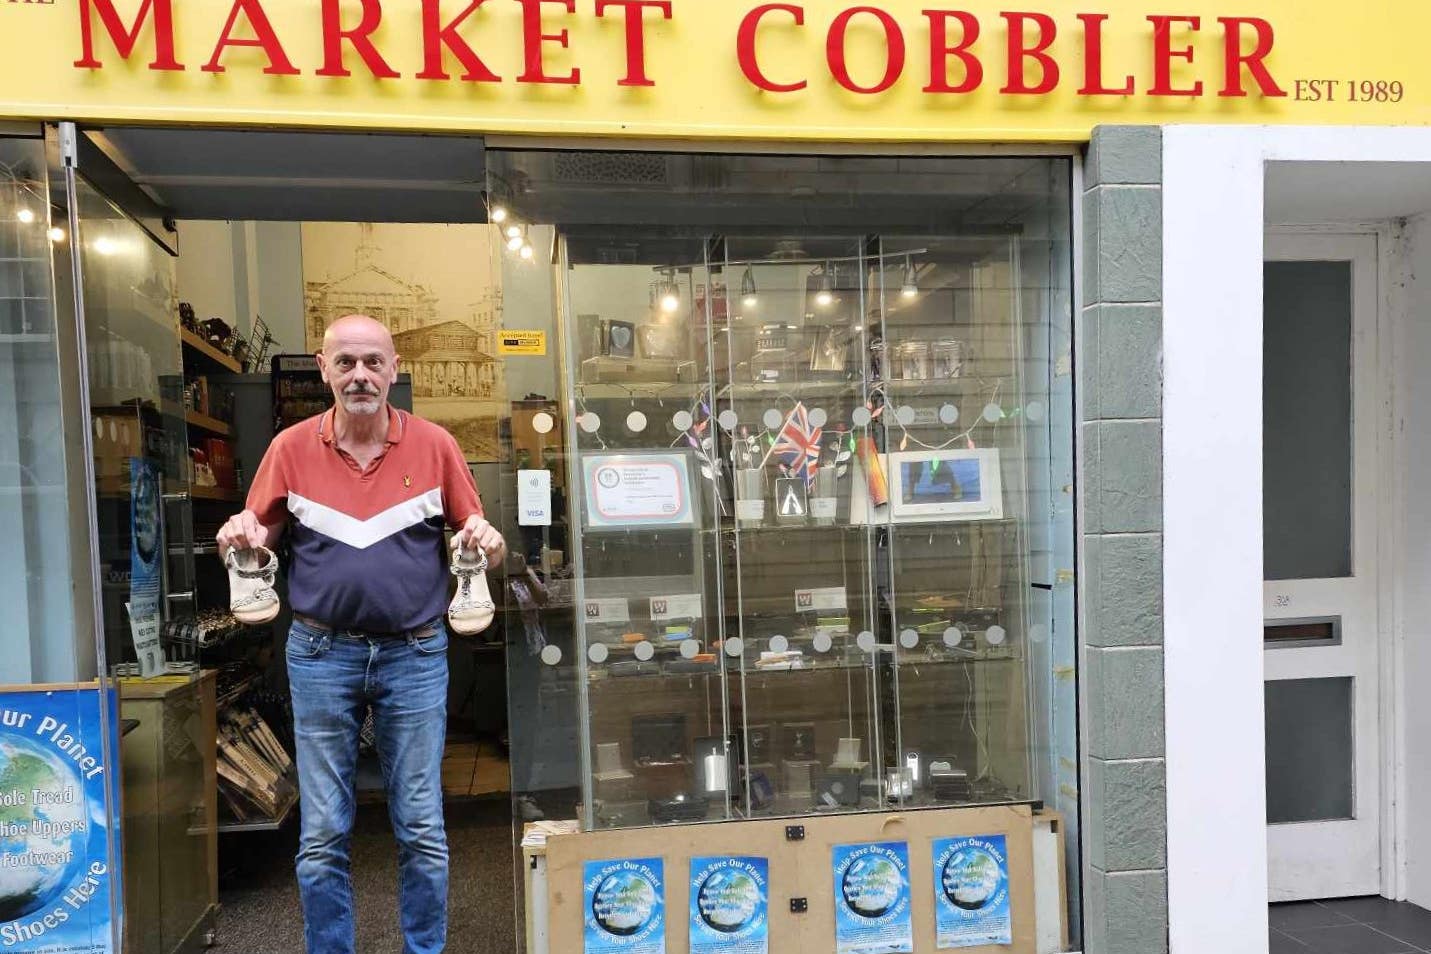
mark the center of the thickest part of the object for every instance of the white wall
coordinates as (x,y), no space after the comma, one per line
(1213,227)
(1212,561)
(1413,425)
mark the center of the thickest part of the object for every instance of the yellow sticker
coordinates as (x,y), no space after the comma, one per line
(521,342)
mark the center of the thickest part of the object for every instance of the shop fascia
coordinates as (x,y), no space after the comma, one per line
(958,46)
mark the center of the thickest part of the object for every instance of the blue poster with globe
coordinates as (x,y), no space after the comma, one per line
(730,905)
(971,892)
(56,879)
(624,905)
(872,912)
(144,559)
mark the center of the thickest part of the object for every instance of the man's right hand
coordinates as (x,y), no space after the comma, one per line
(242,532)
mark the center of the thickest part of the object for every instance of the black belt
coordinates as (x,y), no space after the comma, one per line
(417,632)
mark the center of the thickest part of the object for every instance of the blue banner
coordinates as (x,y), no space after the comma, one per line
(730,905)
(145,542)
(872,914)
(971,892)
(624,901)
(56,878)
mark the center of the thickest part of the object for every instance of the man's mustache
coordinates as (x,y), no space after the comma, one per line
(360,389)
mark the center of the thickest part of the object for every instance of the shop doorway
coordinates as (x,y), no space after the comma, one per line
(189,251)
(1321,443)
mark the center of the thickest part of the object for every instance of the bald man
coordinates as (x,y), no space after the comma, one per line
(367,492)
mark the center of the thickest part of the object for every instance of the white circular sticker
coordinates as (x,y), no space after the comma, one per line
(772,418)
(993,413)
(682,420)
(948,414)
(727,419)
(542,422)
(905,415)
(996,635)
(818,417)
(1038,632)
(636,422)
(778,644)
(690,649)
(551,655)
(866,641)
(644,651)
(598,652)
(953,636)
(590,422)
(823,642)
(734,646)
(1034,411)
(860,417)
(908,638)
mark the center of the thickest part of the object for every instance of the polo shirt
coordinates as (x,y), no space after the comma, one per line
(368,546)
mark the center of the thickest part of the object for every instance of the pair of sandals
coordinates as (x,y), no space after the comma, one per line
(254,601)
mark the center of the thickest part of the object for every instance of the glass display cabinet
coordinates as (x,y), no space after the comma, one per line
(818,444)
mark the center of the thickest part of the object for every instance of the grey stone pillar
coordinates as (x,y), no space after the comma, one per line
(1120,587)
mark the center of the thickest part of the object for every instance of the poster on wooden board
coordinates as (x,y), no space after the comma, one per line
(56,873)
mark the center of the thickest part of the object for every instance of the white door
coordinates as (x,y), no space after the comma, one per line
(1320,442)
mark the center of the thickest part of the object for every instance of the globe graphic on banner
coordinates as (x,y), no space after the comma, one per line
(51,830)
(970,878)
(623,903)
(728,901)
(871,886)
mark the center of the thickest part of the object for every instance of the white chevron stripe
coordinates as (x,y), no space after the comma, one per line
(361,534)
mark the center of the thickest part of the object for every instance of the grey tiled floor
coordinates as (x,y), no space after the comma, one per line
(1349,926)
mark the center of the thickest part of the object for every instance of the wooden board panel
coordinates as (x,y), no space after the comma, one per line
(797,869)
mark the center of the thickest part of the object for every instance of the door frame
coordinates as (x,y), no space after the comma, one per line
(1392,311)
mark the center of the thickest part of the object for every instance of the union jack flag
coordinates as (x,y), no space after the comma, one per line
(797,445)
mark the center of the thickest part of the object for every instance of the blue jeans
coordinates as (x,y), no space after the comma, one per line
(334,678)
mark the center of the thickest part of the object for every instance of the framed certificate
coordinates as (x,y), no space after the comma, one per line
(637,490)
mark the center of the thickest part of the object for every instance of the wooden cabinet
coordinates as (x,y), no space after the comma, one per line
(169,833)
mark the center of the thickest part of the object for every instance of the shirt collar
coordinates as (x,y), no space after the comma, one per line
(397,424)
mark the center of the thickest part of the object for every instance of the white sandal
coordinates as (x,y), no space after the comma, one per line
(472,609)
(252,598)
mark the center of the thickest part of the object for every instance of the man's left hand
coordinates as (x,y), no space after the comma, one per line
(478,532)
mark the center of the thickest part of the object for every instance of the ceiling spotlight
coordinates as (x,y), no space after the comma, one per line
(105,246)
(747,288)
(25,215)
(56,234)
(911,281)
(825,297)
(515,242)
(670,298)
(498,215)
(526,251)
(513,231)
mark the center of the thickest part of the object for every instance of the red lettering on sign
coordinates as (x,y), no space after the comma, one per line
(533,38)
(358,36)
(745,47)
(940,51)
(438,37)
(635,36)
(125,39)
(264,39)
(1020,52)
(1234,59)
(894,50)
(1164,54)
(1093,59)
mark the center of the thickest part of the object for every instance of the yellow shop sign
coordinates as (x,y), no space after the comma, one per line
(816,70)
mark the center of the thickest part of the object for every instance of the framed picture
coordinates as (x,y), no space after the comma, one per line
(621,339)
(637,490)
(954,483)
